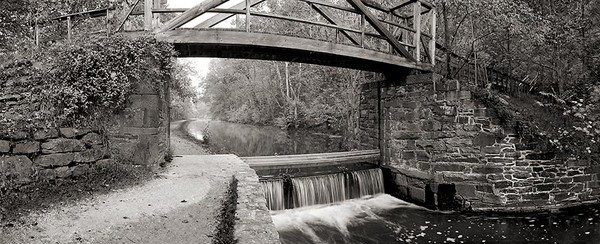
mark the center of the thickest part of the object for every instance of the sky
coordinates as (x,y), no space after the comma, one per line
(200,64)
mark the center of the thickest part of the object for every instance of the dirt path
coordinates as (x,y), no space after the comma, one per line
(180,143)
(179,206)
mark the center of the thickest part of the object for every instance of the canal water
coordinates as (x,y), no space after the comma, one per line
(384,219)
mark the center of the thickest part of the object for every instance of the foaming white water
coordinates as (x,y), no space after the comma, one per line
(339,216)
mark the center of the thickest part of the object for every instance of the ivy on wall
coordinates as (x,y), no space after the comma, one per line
(82,82)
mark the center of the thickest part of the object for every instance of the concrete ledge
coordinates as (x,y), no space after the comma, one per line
(253,221)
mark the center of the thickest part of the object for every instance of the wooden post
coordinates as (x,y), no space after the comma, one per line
(148,15)
(433,35)
(248,4)
(69,26)
(37,33)
(362,30)
(417,27)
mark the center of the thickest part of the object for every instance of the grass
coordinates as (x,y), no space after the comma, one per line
(226,217)
(18,203)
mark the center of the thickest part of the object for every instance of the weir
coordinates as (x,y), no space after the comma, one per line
(321,189)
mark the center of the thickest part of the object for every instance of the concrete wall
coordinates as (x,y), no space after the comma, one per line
(444,150)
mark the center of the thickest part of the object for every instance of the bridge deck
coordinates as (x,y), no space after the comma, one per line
(237,44)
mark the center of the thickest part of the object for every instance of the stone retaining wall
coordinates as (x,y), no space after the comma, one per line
(444,150)
(49,154)
(253,220)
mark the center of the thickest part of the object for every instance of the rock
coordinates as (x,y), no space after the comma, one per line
(72,132)
(14,135)
(63,172)
(19,166)
(45,134)
(60,159)
(47,174)
(9,98)
(484,139)
(92,139)
(62,145)
(89,156)
(105,163)
(80,169)
(4,146)
(27,147)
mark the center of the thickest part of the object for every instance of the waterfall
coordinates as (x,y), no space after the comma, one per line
(273,192)
(322,189)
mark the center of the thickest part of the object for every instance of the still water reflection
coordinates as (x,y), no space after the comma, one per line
(249,140)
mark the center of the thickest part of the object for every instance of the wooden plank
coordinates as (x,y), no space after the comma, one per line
(333,20)
(215,20)
(333,154)
(354,159)
(375,5)
(399,6)
(247,15)
(283,17)
(69,29)
(127,16)
(417,27)
(372,19)
(331,5)
(432,43)
(191,14)
(148,14)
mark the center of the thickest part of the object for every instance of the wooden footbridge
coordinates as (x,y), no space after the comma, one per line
(361,34)
(391,38)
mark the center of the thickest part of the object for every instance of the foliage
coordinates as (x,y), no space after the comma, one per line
(95,78)
(547,124)
(80,83)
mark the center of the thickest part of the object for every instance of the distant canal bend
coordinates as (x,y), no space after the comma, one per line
(383,218)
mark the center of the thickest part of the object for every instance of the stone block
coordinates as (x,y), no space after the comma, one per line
(60,159)
(92,139)
(465,190)
(416,194)
(544,187)
(536,196)
(582,178)
(503,184)
(488,188)
(63,172)
(26,147)
(522,175)
(62,145)
(20,167)
(432,125)
(4,146)
(73,132)
(406,135)
(14,135)
(448,167)
(45,134)
(80,169)
(483,139)
(104,163)
(487,169)
(422,155)
(88,156)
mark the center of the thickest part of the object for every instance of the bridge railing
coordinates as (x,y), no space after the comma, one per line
(464,69)
(406,29)
(362,23)
(67,26)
